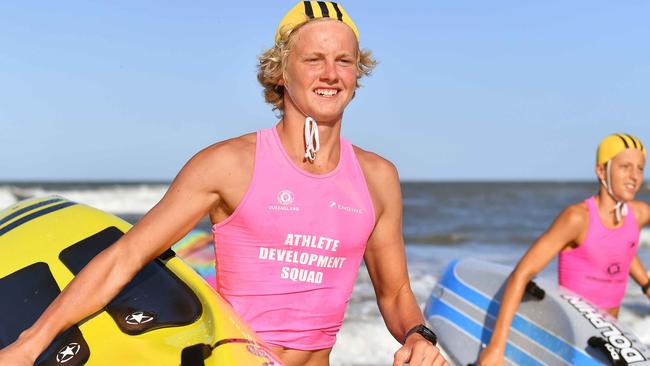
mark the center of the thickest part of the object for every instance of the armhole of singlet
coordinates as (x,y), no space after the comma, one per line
(251,185)
(359,169)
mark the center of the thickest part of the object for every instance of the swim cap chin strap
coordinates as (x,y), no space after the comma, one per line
(312,139)
(620,209)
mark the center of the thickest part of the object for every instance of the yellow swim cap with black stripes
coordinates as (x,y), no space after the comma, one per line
(615,143)
(306,10)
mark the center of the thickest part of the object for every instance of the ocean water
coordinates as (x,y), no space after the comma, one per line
(496,221)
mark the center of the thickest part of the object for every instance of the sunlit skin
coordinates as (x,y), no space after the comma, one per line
(566,233)
(320,78)
(321,72)
(627,174)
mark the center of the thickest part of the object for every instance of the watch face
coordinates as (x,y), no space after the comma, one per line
(428,334)
(425,332)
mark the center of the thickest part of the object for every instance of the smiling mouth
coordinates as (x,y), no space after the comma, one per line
(326,92)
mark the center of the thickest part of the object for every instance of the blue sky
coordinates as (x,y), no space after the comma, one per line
(118,90)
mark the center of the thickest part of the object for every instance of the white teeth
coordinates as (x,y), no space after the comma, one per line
(326,92)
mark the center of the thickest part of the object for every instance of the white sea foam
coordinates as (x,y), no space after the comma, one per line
(364,343)
(644,240)
(6,198)
(635,312)
(364,339)
(117,199)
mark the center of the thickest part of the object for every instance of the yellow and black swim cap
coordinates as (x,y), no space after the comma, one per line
(306,10)
(615,143)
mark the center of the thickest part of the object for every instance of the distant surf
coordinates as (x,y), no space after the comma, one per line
(435,213)
(116,198)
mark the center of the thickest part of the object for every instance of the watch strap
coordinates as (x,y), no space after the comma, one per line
(425,332)
(645,287)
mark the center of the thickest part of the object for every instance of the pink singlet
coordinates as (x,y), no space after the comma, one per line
(598,269)
(287,257)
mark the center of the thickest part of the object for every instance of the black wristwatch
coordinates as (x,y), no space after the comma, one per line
(645,288)
(425,332)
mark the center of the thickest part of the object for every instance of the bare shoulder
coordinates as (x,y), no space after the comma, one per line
(641,210)
(376,168)
(225,155)
(223,163)
(234,150)
(570,226)
(576,214)
(568,230)
(383,181)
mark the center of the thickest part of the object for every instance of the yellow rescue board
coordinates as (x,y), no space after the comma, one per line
(37,231)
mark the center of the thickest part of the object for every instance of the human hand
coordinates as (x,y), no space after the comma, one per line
(417,351)
(491,356)
(16,356)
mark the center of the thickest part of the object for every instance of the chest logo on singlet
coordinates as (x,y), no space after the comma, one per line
(285,197)
(284,200)
(338,206)
(614,268)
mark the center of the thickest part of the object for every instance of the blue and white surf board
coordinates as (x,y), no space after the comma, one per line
(553,326)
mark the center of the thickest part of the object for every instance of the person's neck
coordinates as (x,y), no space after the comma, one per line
(291,130)
(606,207)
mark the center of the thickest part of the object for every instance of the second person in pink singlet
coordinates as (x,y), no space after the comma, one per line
(596,241)
(295,209)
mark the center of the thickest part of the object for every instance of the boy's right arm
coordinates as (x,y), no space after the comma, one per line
(188,199)
(567,229)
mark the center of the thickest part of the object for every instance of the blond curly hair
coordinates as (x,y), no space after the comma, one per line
(272,64)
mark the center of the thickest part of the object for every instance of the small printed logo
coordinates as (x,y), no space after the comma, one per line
(614,268)
(632,244)
(68,352)
(284,200)
(139,317)
(334,204)
(285,197)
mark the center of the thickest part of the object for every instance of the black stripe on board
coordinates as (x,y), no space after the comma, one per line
(29,208)
(34,215)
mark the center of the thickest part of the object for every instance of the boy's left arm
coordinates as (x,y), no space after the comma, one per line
(386,262)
